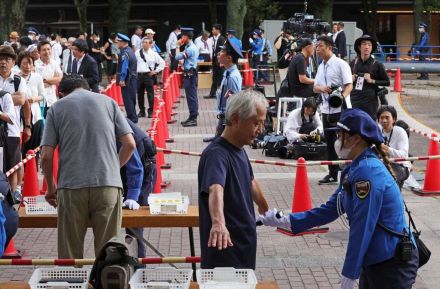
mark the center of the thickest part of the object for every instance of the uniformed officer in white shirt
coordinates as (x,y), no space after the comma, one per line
(331,72)
(171,45)
(149,64)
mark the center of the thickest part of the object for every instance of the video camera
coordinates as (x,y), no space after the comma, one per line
(335,99)
(304,25)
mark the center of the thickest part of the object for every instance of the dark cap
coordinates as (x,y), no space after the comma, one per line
(356,121)
(122,37)
(257,31)
(232,47)
(33,30)
(7,50)
(188,31)
(423,25)
(367,37)
(231,31)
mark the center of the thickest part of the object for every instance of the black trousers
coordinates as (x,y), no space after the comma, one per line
(173,62)
(390,274)
(145,82)
(330,120)
(217,76)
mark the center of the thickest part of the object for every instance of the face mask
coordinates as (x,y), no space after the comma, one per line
(340,151)
(421,30)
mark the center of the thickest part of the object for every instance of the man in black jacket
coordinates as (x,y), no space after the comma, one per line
(84,64)
(341,42)
(217,72)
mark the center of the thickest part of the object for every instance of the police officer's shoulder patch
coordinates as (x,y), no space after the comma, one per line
(362,189)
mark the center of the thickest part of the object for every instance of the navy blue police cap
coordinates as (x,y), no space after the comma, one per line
(33,30)
(122,37)
(232,46)
(187,31)
(423,25)
(356,121)
(231,31)
(257,31)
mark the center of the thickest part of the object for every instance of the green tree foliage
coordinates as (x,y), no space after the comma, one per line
(235,11)
(322,9)
(81,8)
(259,10)
(12,17)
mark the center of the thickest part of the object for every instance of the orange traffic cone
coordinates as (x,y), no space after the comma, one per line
(397,83)
(431,187)
(301,199)
(165,73)
(10,251)
(175,80)
(30,184)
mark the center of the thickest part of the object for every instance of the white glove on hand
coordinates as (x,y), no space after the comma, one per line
(347,283)
(131,204)
(270,219)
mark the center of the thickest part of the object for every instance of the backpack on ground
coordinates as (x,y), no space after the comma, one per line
(115,263)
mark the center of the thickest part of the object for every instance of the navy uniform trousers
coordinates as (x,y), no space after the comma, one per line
(190,84)
(129,97)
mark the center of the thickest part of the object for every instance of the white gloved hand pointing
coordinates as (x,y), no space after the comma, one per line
(347,283)
(271,219)
(131,204)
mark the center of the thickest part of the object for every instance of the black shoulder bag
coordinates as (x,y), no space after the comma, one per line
(424,252)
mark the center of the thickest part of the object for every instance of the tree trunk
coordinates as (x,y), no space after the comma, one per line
(418,17)
(119,12)
(322,9)
(81,8)
(370,16)
(4,20)
(235,13)
(212,5)
(17,15)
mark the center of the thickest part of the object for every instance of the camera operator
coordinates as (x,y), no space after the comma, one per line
(303,122)
(300,84)
(368,74)
(281,44)
(331,72)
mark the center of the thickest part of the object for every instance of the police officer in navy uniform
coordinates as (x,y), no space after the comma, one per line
(231,82)
(422,48)
(126,75)
(190,77)
(371,198)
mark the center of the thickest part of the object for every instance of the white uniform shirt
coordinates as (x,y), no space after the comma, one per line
(8,85)
(171,42)
(205,47)
(335,72)
(35,88)
(294,123)
(151,58)
(48,71)
(136,42)
(7,105)
(398,142)
(57,49)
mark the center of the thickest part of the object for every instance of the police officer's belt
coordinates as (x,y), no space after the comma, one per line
(189,72)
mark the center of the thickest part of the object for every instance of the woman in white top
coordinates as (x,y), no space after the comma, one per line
(396,142)
(303,122)
(36,94)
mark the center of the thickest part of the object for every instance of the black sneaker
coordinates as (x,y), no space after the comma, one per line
(150,114)
(185,121)
(328,180)
(141,114)
(190,122)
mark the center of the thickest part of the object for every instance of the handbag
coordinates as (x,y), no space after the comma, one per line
(424,252)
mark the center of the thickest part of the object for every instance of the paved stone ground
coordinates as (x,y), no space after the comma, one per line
(312,261)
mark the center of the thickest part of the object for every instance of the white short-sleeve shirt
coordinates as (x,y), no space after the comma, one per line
(48,71)
(8,85)
(333,72)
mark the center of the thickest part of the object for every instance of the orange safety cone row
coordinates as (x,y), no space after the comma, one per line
(30,183)
(165,73)
(163,118)
(166,96)
(176,88)
(301,201)
(397,81)
(10,251)
(431,186)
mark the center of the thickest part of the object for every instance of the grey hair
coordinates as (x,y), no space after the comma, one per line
(244,103)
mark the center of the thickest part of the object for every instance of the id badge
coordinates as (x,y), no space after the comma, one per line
(359,83)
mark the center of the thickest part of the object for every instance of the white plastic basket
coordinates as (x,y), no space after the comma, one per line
(168,204)
(54,275)
(38,206)
(161,277)
(226,278)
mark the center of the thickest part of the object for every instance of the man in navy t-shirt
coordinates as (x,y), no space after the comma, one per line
(227,188)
